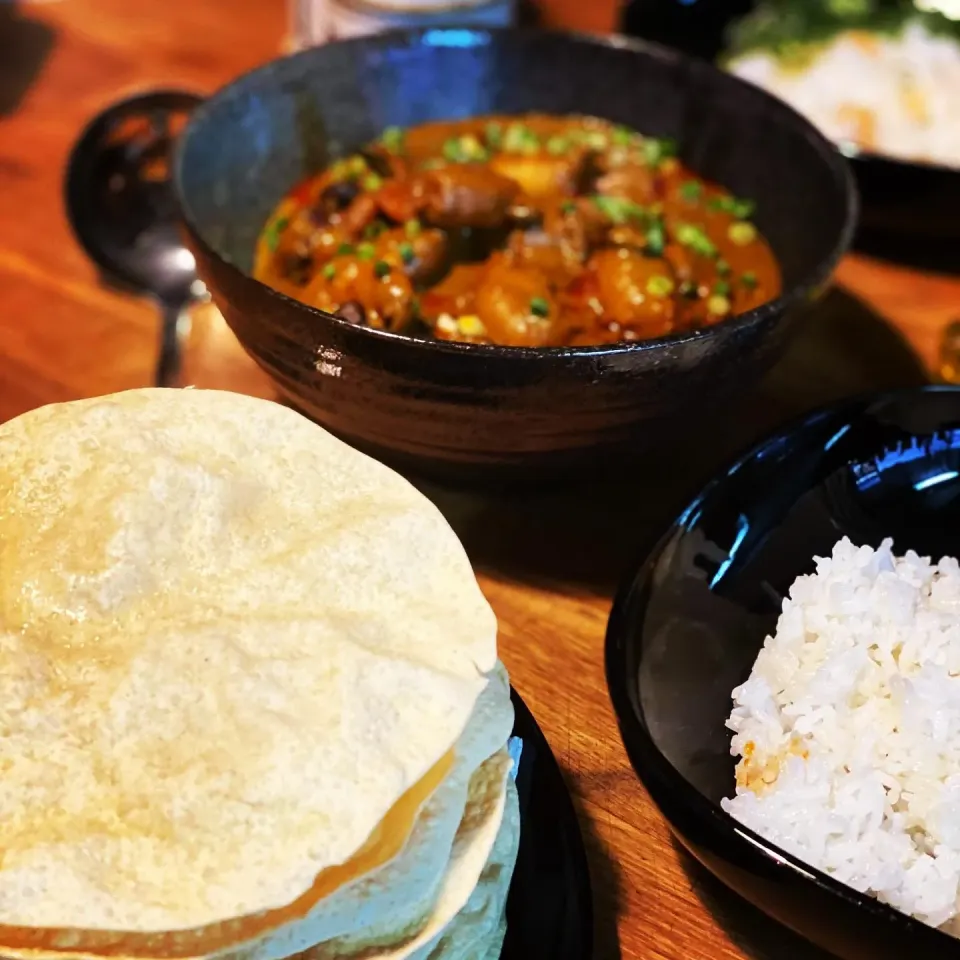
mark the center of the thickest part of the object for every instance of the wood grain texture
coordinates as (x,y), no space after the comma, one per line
(549,568)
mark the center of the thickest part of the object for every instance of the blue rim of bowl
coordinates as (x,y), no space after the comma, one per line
(796,295)
(657,769)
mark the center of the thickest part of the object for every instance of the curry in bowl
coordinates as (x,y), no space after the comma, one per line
(528,231)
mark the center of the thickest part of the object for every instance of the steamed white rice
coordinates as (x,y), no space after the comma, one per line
(898,95)
(848,729)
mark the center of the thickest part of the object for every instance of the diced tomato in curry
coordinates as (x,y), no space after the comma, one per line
(521,231)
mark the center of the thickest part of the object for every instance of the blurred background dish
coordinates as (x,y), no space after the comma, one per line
(878,77)
(471,411)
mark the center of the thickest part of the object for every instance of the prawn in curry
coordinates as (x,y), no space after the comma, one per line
(520,231)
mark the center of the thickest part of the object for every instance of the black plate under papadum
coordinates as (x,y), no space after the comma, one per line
(549,909)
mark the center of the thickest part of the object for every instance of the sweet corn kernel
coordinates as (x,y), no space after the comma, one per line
(718,305)
(742,233)
(471,326)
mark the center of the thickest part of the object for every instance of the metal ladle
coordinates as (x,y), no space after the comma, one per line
(121,206)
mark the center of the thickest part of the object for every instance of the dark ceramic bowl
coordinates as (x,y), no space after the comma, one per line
(688,624)
(550,905)
(481,412)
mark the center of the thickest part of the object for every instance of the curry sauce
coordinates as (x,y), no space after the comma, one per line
(520,231)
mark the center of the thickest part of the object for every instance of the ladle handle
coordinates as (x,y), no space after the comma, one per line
(173,315)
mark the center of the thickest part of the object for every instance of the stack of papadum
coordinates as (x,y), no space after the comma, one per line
(250,699)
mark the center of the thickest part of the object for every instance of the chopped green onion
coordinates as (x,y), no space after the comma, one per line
(406,251)
(371,182)
(723,268)
(694,237)
(749,280)
(273,231)
(660,286)
(392,139)
(520,139)
(742,233)
(595,140)
(557,146)
(366,251)
(691,190)
(656,150)
(618,209)
(622,136)
(344,250)
(381,268)
(493,133)
(539,307)
(329,271)
(472,149)
(721,288)
(464,149)
(373,230)
(567,206)
(451,149)
(656,239)
(737,208)
(515,137)
(412,228)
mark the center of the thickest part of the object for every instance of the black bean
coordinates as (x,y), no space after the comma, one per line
(378,162)
(587,175)
(335,197)
(296,266)
(353,312)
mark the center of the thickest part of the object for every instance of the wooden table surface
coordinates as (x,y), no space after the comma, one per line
(65,335)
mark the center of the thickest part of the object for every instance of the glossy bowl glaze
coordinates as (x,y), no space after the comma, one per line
(689,622)
(474,412)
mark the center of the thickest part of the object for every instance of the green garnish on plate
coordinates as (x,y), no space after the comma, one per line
(794,31)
